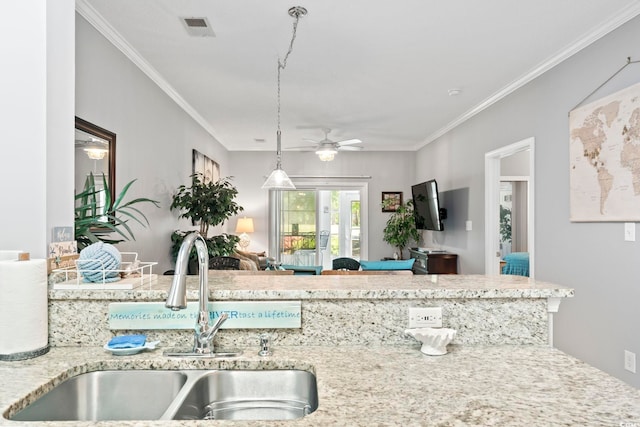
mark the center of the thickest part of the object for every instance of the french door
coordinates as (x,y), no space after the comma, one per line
(312,225)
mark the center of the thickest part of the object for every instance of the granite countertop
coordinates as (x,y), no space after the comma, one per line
(472,385)
(246,287)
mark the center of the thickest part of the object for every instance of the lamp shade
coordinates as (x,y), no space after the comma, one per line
(244,225)
(278,180)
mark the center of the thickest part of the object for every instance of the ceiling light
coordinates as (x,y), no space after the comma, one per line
(326,154)
(454,92)
(96,153)
(278,179)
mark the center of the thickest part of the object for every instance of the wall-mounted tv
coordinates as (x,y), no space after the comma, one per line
(426,206)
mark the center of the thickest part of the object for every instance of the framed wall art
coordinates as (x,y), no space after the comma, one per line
(391,201)
(209,169)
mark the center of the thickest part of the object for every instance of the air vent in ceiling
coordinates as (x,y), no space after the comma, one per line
(198,27)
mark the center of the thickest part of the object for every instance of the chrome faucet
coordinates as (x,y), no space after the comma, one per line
(177,298)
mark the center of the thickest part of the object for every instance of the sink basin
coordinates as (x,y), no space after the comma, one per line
(250,395)
(107,395)
(178,395)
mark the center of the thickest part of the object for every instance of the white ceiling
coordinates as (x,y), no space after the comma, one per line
(376,70)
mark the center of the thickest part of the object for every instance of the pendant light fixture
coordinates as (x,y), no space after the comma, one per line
(279,180)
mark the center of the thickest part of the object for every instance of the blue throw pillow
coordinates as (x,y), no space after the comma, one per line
(405,264)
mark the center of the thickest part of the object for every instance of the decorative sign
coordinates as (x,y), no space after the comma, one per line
(61,234)
(242,315)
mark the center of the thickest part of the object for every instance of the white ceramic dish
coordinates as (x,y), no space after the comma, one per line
(434,340)
(131,350)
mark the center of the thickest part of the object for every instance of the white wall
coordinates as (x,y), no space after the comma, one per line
(155,137)
(37,91)
(590,257)
(60,109)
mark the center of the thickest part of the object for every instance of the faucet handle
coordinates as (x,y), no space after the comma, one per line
(207,335)
(265,345)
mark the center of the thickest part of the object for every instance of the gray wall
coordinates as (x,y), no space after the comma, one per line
(154,136)
(601,321)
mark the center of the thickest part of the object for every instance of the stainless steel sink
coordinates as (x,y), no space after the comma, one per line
(250,395)
(178,395)
(107,395)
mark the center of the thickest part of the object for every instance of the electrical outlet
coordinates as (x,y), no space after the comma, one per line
(425,317)
(630,361)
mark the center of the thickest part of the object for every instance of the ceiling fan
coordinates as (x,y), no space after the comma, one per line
(327,149)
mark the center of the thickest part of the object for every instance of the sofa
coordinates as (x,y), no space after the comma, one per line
(252,260)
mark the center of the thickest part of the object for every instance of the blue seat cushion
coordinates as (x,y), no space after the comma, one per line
(405,264)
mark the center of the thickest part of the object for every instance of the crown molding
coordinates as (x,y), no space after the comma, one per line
(94,18)
(621,18)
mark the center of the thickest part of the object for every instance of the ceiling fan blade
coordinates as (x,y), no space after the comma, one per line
(349,142)
(349,148)
(311,140)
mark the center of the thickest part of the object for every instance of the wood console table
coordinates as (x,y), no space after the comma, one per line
(434,262)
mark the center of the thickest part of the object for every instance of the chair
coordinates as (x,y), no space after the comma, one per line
(345,263)
(224,263)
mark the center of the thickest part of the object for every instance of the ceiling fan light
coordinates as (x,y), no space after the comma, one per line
(326,154)
(96,153)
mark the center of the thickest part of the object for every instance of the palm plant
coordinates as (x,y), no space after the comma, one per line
(96,221)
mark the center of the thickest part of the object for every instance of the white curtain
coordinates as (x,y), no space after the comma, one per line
(520,198)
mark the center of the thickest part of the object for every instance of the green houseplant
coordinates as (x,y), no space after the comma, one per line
(206,204)
(401,227)
(94,222)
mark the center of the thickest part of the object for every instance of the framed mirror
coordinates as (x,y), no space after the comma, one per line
(95,152)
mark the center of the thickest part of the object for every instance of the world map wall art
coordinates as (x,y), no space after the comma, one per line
(604,157)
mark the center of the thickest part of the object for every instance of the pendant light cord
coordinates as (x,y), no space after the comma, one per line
(295,12)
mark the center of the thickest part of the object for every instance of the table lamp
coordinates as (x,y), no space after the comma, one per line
(244,226)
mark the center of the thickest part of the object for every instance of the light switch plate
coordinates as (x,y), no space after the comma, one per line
(630,231)
(630,361)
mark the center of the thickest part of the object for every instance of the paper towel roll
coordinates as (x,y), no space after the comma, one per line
(24,313)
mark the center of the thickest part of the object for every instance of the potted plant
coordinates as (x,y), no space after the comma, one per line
(206,204)
(95,222)
(401,227)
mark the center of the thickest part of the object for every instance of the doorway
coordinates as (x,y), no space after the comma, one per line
(514,198)
(493,179)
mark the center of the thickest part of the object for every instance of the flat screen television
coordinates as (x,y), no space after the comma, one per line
(426,206)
